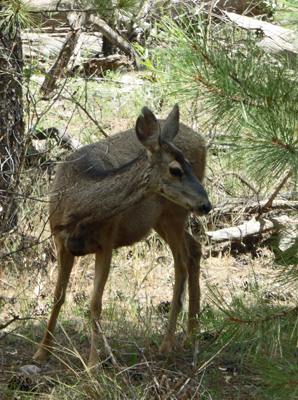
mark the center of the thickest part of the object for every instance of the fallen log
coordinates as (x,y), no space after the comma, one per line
(250,228)
(276,39)
(45,45)
(100,25)
(99,65)
(61,11)
(40,5)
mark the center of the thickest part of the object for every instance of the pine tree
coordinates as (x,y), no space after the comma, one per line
(251,96)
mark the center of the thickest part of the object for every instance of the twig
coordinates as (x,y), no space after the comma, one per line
(243,181)
(113,359)
(14,318)
(253,207)
(36,243)
(89,115)
(155,381)
(184,381)
(6,283)
(277,189)
(106,345)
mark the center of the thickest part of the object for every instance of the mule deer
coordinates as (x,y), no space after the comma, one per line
(100,202)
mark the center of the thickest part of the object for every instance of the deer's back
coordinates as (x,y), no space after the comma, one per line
(124,147)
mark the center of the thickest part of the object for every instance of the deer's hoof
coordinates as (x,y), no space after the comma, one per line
(93,363)
(166,347)
(41,354)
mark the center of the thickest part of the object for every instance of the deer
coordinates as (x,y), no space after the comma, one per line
(112,193)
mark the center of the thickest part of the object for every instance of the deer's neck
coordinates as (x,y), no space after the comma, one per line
(128,186)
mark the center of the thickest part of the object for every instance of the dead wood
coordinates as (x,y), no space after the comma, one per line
(245,7)
(259,224)
(40,5)
(277,189)
(60,135)
(47,43)
(276,40)
(74,41)
(250,228)
(121,372)
(58,68)
(100,25)
(99,65)
(242,206)
(49,12)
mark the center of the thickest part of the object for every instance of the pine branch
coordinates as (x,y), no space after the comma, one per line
(243,181)
(282,314)
(213,90)
(233,78)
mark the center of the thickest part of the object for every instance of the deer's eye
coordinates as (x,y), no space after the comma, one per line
(176,172)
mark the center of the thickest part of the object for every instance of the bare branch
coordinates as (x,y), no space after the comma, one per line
(183,381)
(277,189)
(240,205)
(14,318)
(243,181)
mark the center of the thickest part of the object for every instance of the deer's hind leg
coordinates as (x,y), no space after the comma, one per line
(102,269)
(193,267)
(65,264)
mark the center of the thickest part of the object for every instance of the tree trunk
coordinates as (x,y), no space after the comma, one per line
(11,121)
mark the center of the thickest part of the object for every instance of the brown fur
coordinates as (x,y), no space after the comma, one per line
(79,224)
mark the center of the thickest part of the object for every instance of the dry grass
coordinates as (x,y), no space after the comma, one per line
(141,279)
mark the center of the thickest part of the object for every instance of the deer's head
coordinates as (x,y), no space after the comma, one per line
(173,175)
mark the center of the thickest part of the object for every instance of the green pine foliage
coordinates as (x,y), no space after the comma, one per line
(108,9)
(15,15)
(251,97)
(243,90)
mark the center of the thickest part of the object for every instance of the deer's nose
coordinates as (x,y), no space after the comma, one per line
(205,208)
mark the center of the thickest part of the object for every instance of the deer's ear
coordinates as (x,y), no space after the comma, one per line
(148,130)
(171,126)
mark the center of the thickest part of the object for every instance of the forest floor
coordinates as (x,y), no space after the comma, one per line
(134,318)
